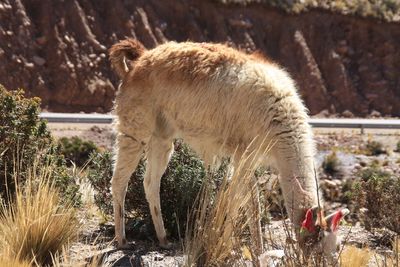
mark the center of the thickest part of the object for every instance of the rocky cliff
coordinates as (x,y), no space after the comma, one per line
(58,49)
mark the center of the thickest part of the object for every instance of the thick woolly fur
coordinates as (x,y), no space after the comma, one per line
(218,100)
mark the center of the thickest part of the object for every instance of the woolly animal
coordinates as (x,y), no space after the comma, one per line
(220,101)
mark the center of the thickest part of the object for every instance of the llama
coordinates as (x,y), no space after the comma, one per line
(212,96)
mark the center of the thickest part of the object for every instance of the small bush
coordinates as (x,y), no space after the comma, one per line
(331,164)
(374,148)
(76,150)
(397,147)
(379,193)
(184,173)
(25,139)
(347,191)
(22,134)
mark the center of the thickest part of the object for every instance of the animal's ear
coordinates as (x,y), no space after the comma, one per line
(333,219)
(309,221)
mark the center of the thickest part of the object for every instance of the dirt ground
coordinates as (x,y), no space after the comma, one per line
(98,236)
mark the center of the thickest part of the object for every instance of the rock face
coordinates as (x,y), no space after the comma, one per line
(57,49)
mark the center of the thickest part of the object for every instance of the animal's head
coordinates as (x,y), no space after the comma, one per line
(319,232)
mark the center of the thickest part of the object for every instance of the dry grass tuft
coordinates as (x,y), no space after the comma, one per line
(355,257)
(7,262)
(33,225)
(218,234)
(65,259)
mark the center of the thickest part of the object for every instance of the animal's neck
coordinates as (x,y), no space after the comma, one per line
(298,179)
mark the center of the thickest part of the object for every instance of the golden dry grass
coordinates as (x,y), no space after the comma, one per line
(218,235)
(65,259)
(355,257)
(33,225)
(7,262)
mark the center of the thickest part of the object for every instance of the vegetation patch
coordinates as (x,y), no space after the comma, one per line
(76,150)
(331,163)
(397,147)
(374,148)
(379,192)
(388,10)
(34,226)
(180,185)
(25,140)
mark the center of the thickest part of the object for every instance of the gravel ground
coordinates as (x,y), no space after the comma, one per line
(348,144)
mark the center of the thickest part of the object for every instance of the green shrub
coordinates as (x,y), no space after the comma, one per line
(331,164)
(347,191)
(24,141)
(388,10)
(180,185)
(372,172)
(374,148)
(76,150)
(398,147)
(379,193)
(21,134)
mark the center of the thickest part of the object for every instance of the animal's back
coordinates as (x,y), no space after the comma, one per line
(212,91)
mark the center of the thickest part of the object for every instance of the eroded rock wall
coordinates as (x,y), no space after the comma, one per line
(57,49)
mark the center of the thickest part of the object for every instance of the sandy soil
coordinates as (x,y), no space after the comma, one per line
(97,239)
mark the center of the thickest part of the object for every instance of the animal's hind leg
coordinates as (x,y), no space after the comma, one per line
(160,151)
(127,159)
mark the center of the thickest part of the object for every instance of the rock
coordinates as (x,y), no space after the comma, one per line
(329,183)
(295,50)
(323,114)
(363,164)
(375,114)
(39,60)
(29,65)
(158,257)
(241,23)
(41,40)
(357,167)
(347,114)
(272,258)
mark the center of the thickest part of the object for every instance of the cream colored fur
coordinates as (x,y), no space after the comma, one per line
(212,97)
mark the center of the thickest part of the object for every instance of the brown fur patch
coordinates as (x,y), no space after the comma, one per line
(121,210)
(122,55)
(156,211)
(195,61)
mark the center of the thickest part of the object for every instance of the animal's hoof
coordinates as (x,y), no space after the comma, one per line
(166,245)
(124,245)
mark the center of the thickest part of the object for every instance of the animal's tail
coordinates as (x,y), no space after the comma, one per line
(124,54)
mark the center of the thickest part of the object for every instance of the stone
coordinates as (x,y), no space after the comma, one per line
(347,114)
(39,60)
(375,114)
